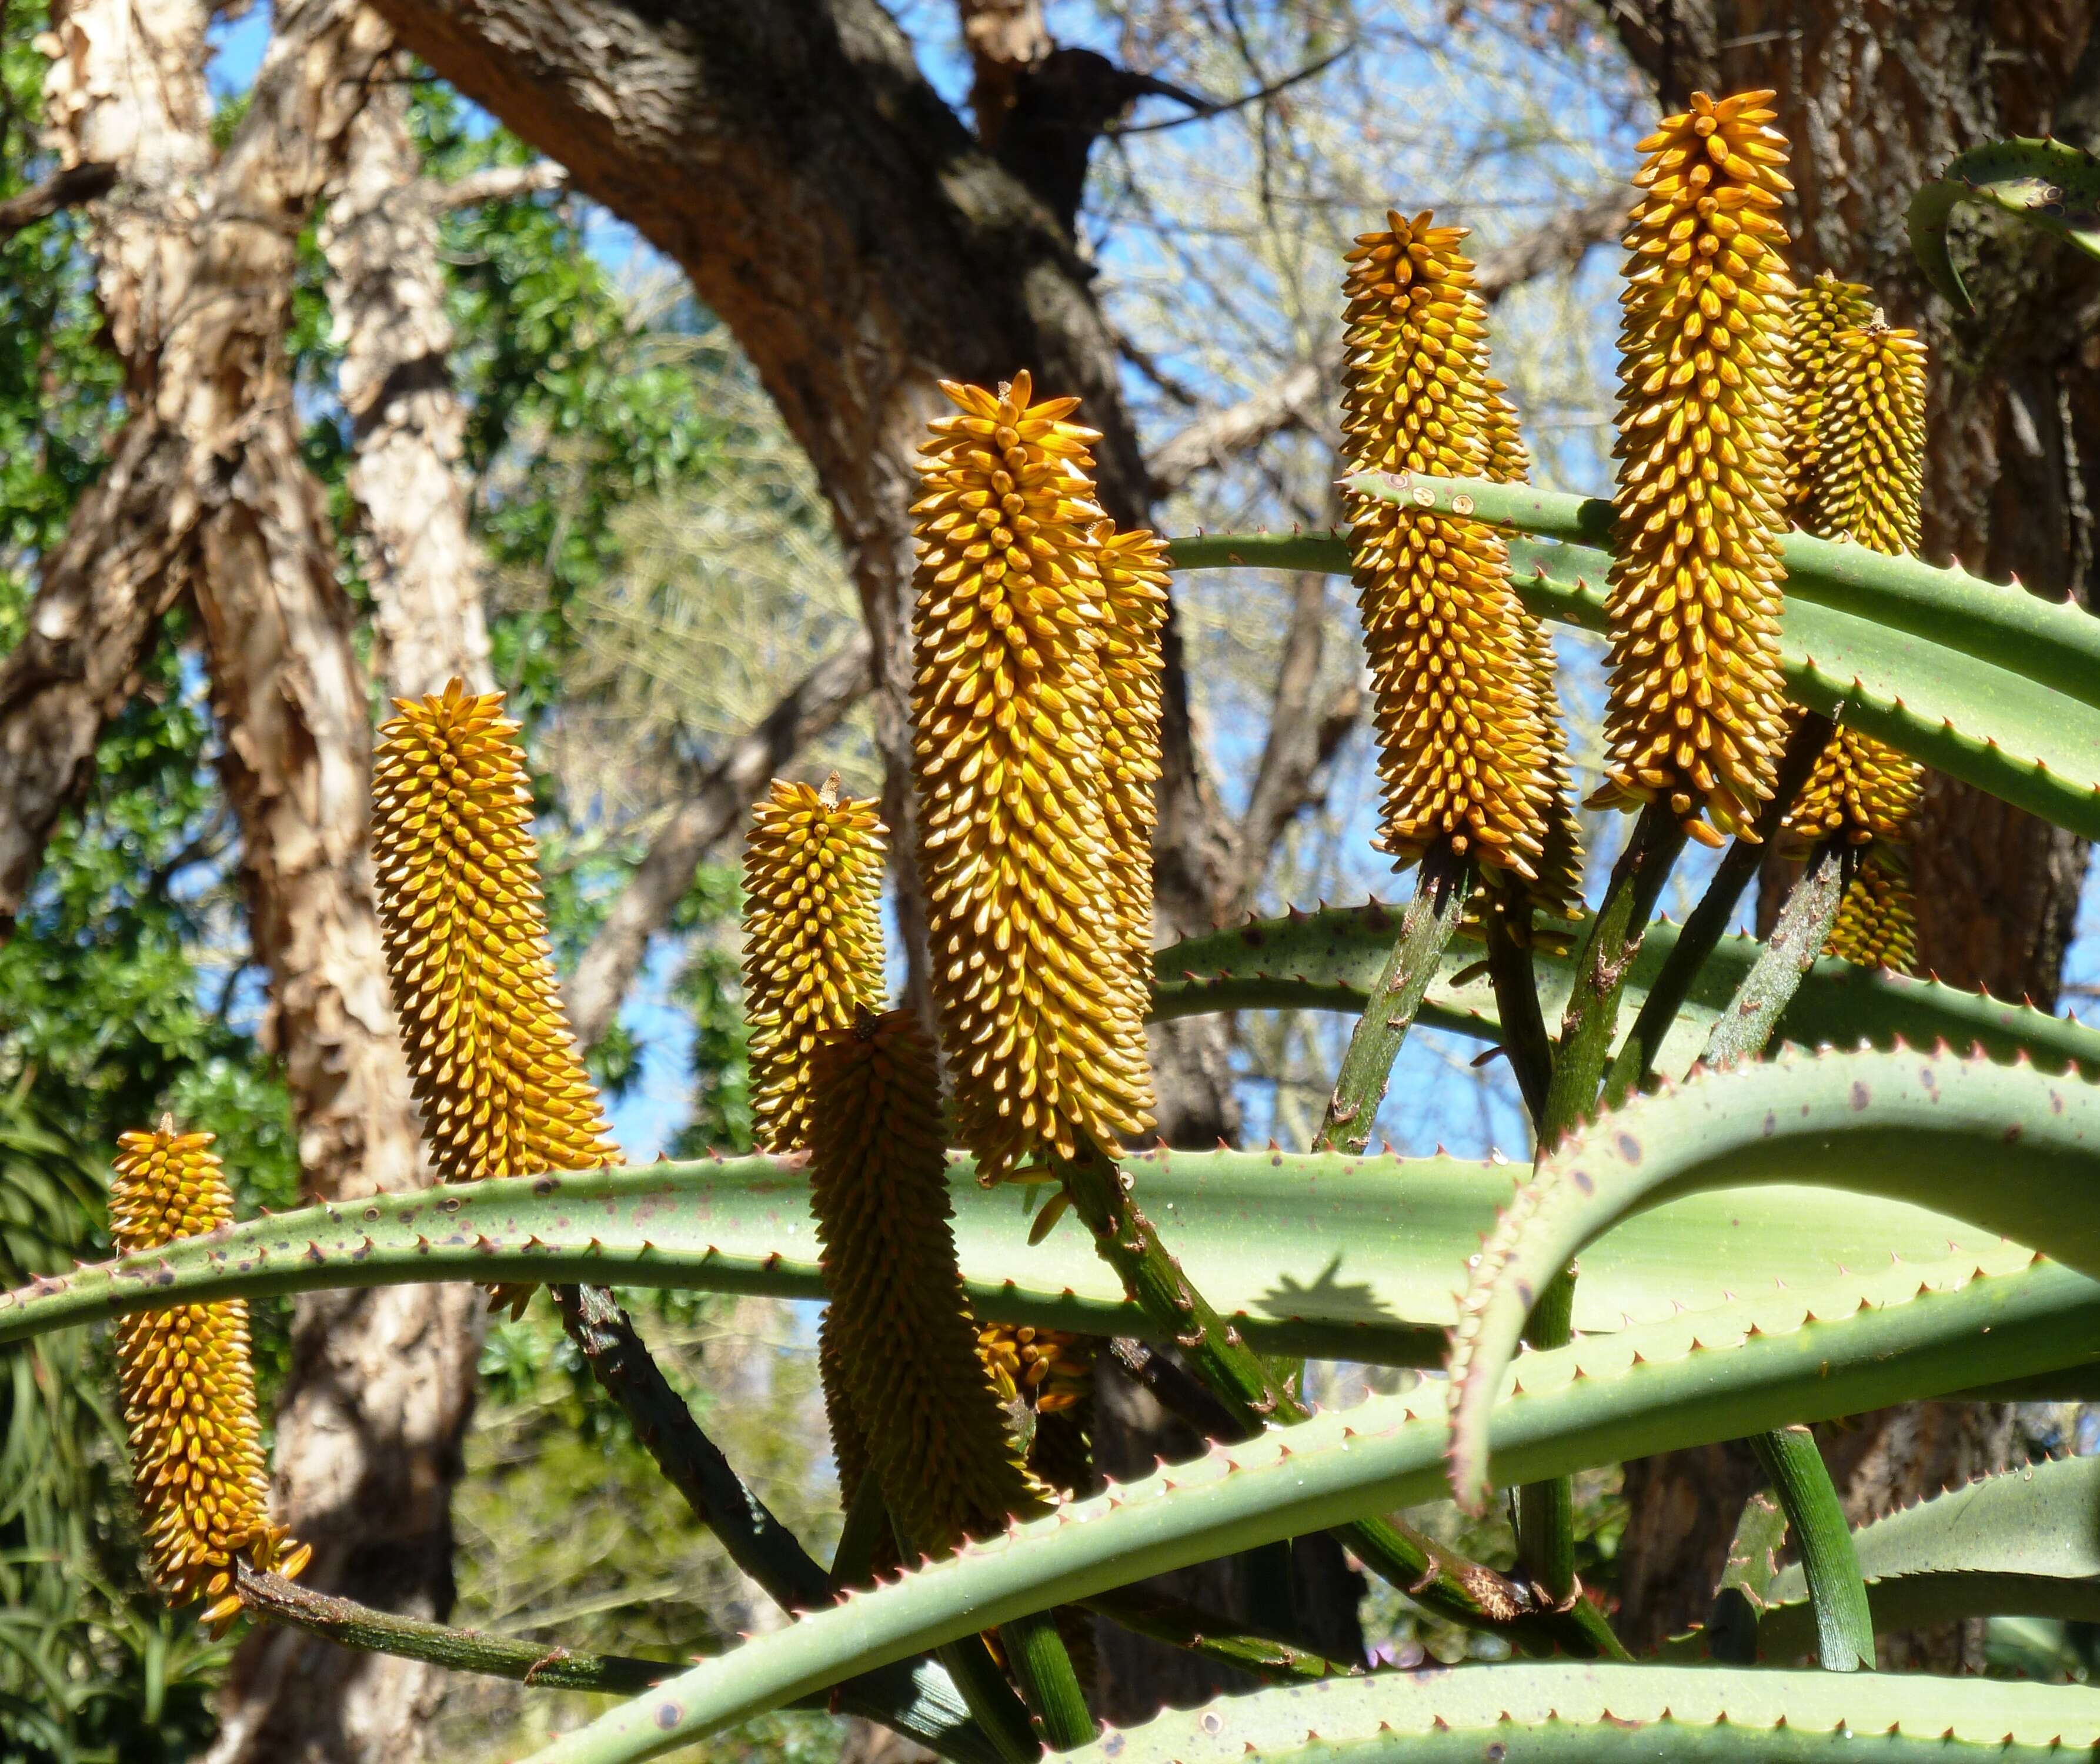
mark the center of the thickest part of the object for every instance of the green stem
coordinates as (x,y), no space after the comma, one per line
(1395,995)
(1711,919)
(1546,1511)
(1437,1578)
(867,1524)
(1601,965)
(1230,1641)
(1036,1653)
(386,1632)
(908,1697)
(1791,950)
(1525,1039)
(990,1699)
(1829,1559)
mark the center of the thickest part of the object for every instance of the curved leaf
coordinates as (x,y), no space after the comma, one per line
(1934,661)
(1354,1257)
(2007,1147)
(2048,184)
(2024,1543)
(1759,1364)
(1324,961)
(1566,1710)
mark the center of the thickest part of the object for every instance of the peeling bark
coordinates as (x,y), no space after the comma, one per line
(207,495)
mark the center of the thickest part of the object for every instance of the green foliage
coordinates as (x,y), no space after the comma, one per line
(710,989)
(2048,184)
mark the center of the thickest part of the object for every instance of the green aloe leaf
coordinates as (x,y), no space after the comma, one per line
(2023,1543)
(2009,1149)
(1324,961)
(1760,1363)
(2048,184)
(1991,685)
(1358,1258)
(1565,1710)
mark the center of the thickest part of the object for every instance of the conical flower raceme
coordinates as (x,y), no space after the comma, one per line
(1464,746)
(1043,1035)
(812,941)
(918,1394)
(503,1090)
(189,1390)
(1697,717)
(1559,888)
(1823,309)
(1858,451)
(1877,923)
(1133,570)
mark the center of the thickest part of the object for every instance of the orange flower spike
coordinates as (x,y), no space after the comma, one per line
(1698,716)
(1009,698)
(189,1390)
(1464,748)
(503,1090)
(812,941)
(1876,925)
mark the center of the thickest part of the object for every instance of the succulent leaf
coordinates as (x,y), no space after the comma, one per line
(188,1389)
(812,941)
(2046,183)
(1043,1031)
(1643,1391)
(2006,1148)
(1696,711)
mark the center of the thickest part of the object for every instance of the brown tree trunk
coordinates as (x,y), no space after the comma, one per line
(208,495)
(1877,95)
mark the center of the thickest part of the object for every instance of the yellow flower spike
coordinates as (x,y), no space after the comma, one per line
(1042,1033)
(1876,925)
(1559,889)
(921,1400)
(812,941)
(1051,1370)
(1464,747)
(502,1088)
(1697,717)
(1858,449)
(1823,309)
(1133,570)
(189,1390)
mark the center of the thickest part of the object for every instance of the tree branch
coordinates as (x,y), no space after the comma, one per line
(62,190)
(1298,398)
(715,802)
(499,183)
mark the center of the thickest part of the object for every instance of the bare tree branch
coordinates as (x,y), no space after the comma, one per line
(1298,398)
(500,184)
(716,803)
(65,189)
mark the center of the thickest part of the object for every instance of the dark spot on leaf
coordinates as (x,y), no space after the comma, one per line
(1112,1745)
(1254,936)
(371,1213)
(1924,1077)
(1771,1123)
(164,1277)
(1629,1147)
(545,1185)
(2013,1134)
(1861,1095)
(450,1204)
(1524,1292)
(2056,1102)
(1583,1180)
(668,1716)
(1496,1753)
(1212,1721)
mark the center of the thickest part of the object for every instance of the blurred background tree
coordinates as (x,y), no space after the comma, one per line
(564,412)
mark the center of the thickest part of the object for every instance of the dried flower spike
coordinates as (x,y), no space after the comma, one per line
(1463,744)
(1133,570)
(1697,711)
(189,1390)
(503,1090)
(919,1397)
(1043,1035)
(812,941)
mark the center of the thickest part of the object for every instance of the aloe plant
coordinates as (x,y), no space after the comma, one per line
(1799,1187)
